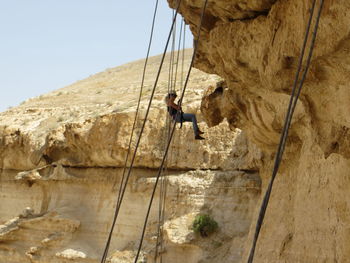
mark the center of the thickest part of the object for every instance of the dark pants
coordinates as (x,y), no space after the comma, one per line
(189,117)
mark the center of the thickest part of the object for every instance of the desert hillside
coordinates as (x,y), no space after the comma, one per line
(62,153)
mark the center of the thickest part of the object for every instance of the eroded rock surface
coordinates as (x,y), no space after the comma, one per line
(62,156)
(308,216)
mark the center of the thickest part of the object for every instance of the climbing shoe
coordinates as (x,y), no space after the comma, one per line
(198,137)
(200,132)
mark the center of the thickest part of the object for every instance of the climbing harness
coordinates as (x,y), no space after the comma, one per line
(174,113)
(292,104)
(181,118)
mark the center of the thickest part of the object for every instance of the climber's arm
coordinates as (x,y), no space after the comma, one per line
(173,105)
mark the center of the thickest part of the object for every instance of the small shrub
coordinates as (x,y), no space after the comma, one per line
(204,225)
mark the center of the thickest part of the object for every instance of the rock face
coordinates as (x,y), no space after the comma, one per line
(254,46)
(62,156)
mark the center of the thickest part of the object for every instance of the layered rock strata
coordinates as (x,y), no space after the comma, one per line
(257,54)
(62,157)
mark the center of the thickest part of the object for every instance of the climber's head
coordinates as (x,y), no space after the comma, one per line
(170,96)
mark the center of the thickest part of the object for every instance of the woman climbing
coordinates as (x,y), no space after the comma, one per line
(180,117)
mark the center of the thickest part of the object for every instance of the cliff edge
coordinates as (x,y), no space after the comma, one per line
(254,46)
(62,156)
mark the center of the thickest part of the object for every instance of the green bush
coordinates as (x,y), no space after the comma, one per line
(204,225)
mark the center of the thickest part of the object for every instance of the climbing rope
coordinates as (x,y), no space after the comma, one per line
(178,55)
(163,178)
(292,104)
(183,54)
(171,61)
(125,181)
(104,257)
(139,100)
(162,198)
(161,208)
(171,134)
(162,194)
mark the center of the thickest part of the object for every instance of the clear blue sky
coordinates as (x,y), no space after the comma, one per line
(48,44)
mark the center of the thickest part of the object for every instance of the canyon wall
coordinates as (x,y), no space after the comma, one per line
(255,46)
(62,156)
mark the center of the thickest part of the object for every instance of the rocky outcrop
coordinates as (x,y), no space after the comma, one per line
(62,156)
(257,54)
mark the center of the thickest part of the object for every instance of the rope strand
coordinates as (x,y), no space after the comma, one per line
(292,104)
(171,135)
(121,196)
(164,180)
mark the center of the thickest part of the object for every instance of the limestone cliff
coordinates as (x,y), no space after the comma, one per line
(61,154)
(254,46)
